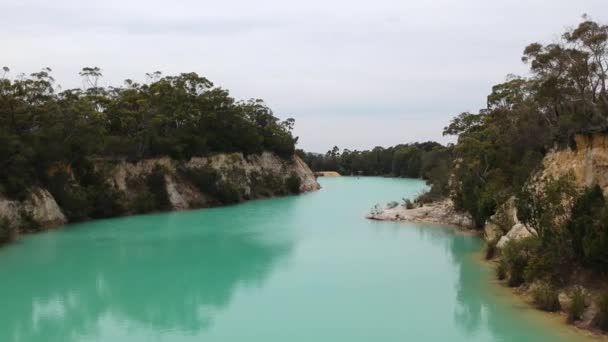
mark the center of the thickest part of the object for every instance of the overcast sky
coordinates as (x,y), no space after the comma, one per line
(356,74)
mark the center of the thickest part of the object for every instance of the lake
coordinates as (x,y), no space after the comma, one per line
(303,268)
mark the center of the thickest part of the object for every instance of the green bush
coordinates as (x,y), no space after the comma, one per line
(408,204)
(107,202)
(205,179)
(601,319)
(72,198)
(490,249)
(228,193)
(501,270)
(293,183)
(27,221)
(546,298)
(7,231)
(516,255)
(577,305)
(158,188)
(144,202)
(588,227)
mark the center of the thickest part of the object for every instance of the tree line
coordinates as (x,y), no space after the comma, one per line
(43,128)
(425,160)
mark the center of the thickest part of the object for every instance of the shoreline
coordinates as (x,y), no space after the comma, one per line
(519,300)
(442,213)
(61,225)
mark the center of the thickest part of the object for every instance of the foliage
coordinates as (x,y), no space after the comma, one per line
(546,298)
(588,228)
(293,183)
(577,305)
(7,232)
(408,204)
(601,319)
(228,192)
(490,249)
(204,178)
(418,160)
(501,145)
(178,116)
(516,256)
(157,186)
(501,270)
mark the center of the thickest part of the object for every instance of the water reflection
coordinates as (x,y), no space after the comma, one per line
(175,282)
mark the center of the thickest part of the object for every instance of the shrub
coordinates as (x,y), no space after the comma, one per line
(27,221)
(293,183)
(73,199)
(7,231)
(490,250)
(107,202)
(391,205)
(429,197)
(577,305)
(408,204)
(228,193)
(516,256)
(158,188)
(501,271)
(205,179)
(144,203)
(546,298)
(601,319)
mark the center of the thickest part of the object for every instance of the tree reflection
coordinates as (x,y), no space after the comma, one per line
(175,283)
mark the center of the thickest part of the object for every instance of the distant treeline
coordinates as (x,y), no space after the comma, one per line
(428,160)
(43,128)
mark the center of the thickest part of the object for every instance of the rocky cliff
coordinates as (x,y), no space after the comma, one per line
(197,183)
(587,161)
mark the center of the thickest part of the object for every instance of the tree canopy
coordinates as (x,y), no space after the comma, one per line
(42,127)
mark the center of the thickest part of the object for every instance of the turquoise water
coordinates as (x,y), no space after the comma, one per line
(305,268)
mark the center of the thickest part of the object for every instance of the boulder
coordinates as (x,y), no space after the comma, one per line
(518,232)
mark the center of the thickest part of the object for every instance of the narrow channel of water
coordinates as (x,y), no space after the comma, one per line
(304,268)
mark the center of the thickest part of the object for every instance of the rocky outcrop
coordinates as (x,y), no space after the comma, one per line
(243,177)
(441,212)
(518,232)
(234,170)
(587,161)
(39,210)
(504,225)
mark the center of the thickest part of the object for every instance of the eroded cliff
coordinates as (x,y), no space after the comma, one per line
(200,182)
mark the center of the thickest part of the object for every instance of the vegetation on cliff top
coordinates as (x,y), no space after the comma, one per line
(44,129)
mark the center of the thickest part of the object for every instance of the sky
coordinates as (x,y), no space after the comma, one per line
(355,74)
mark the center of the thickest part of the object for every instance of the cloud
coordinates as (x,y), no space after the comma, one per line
(361,73)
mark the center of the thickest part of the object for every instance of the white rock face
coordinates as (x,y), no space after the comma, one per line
(518,232)
(128,178)
(40,205)
(441,212)
(232,167)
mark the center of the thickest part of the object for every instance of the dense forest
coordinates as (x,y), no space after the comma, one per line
(408,160)
(428,160)
(44,129)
